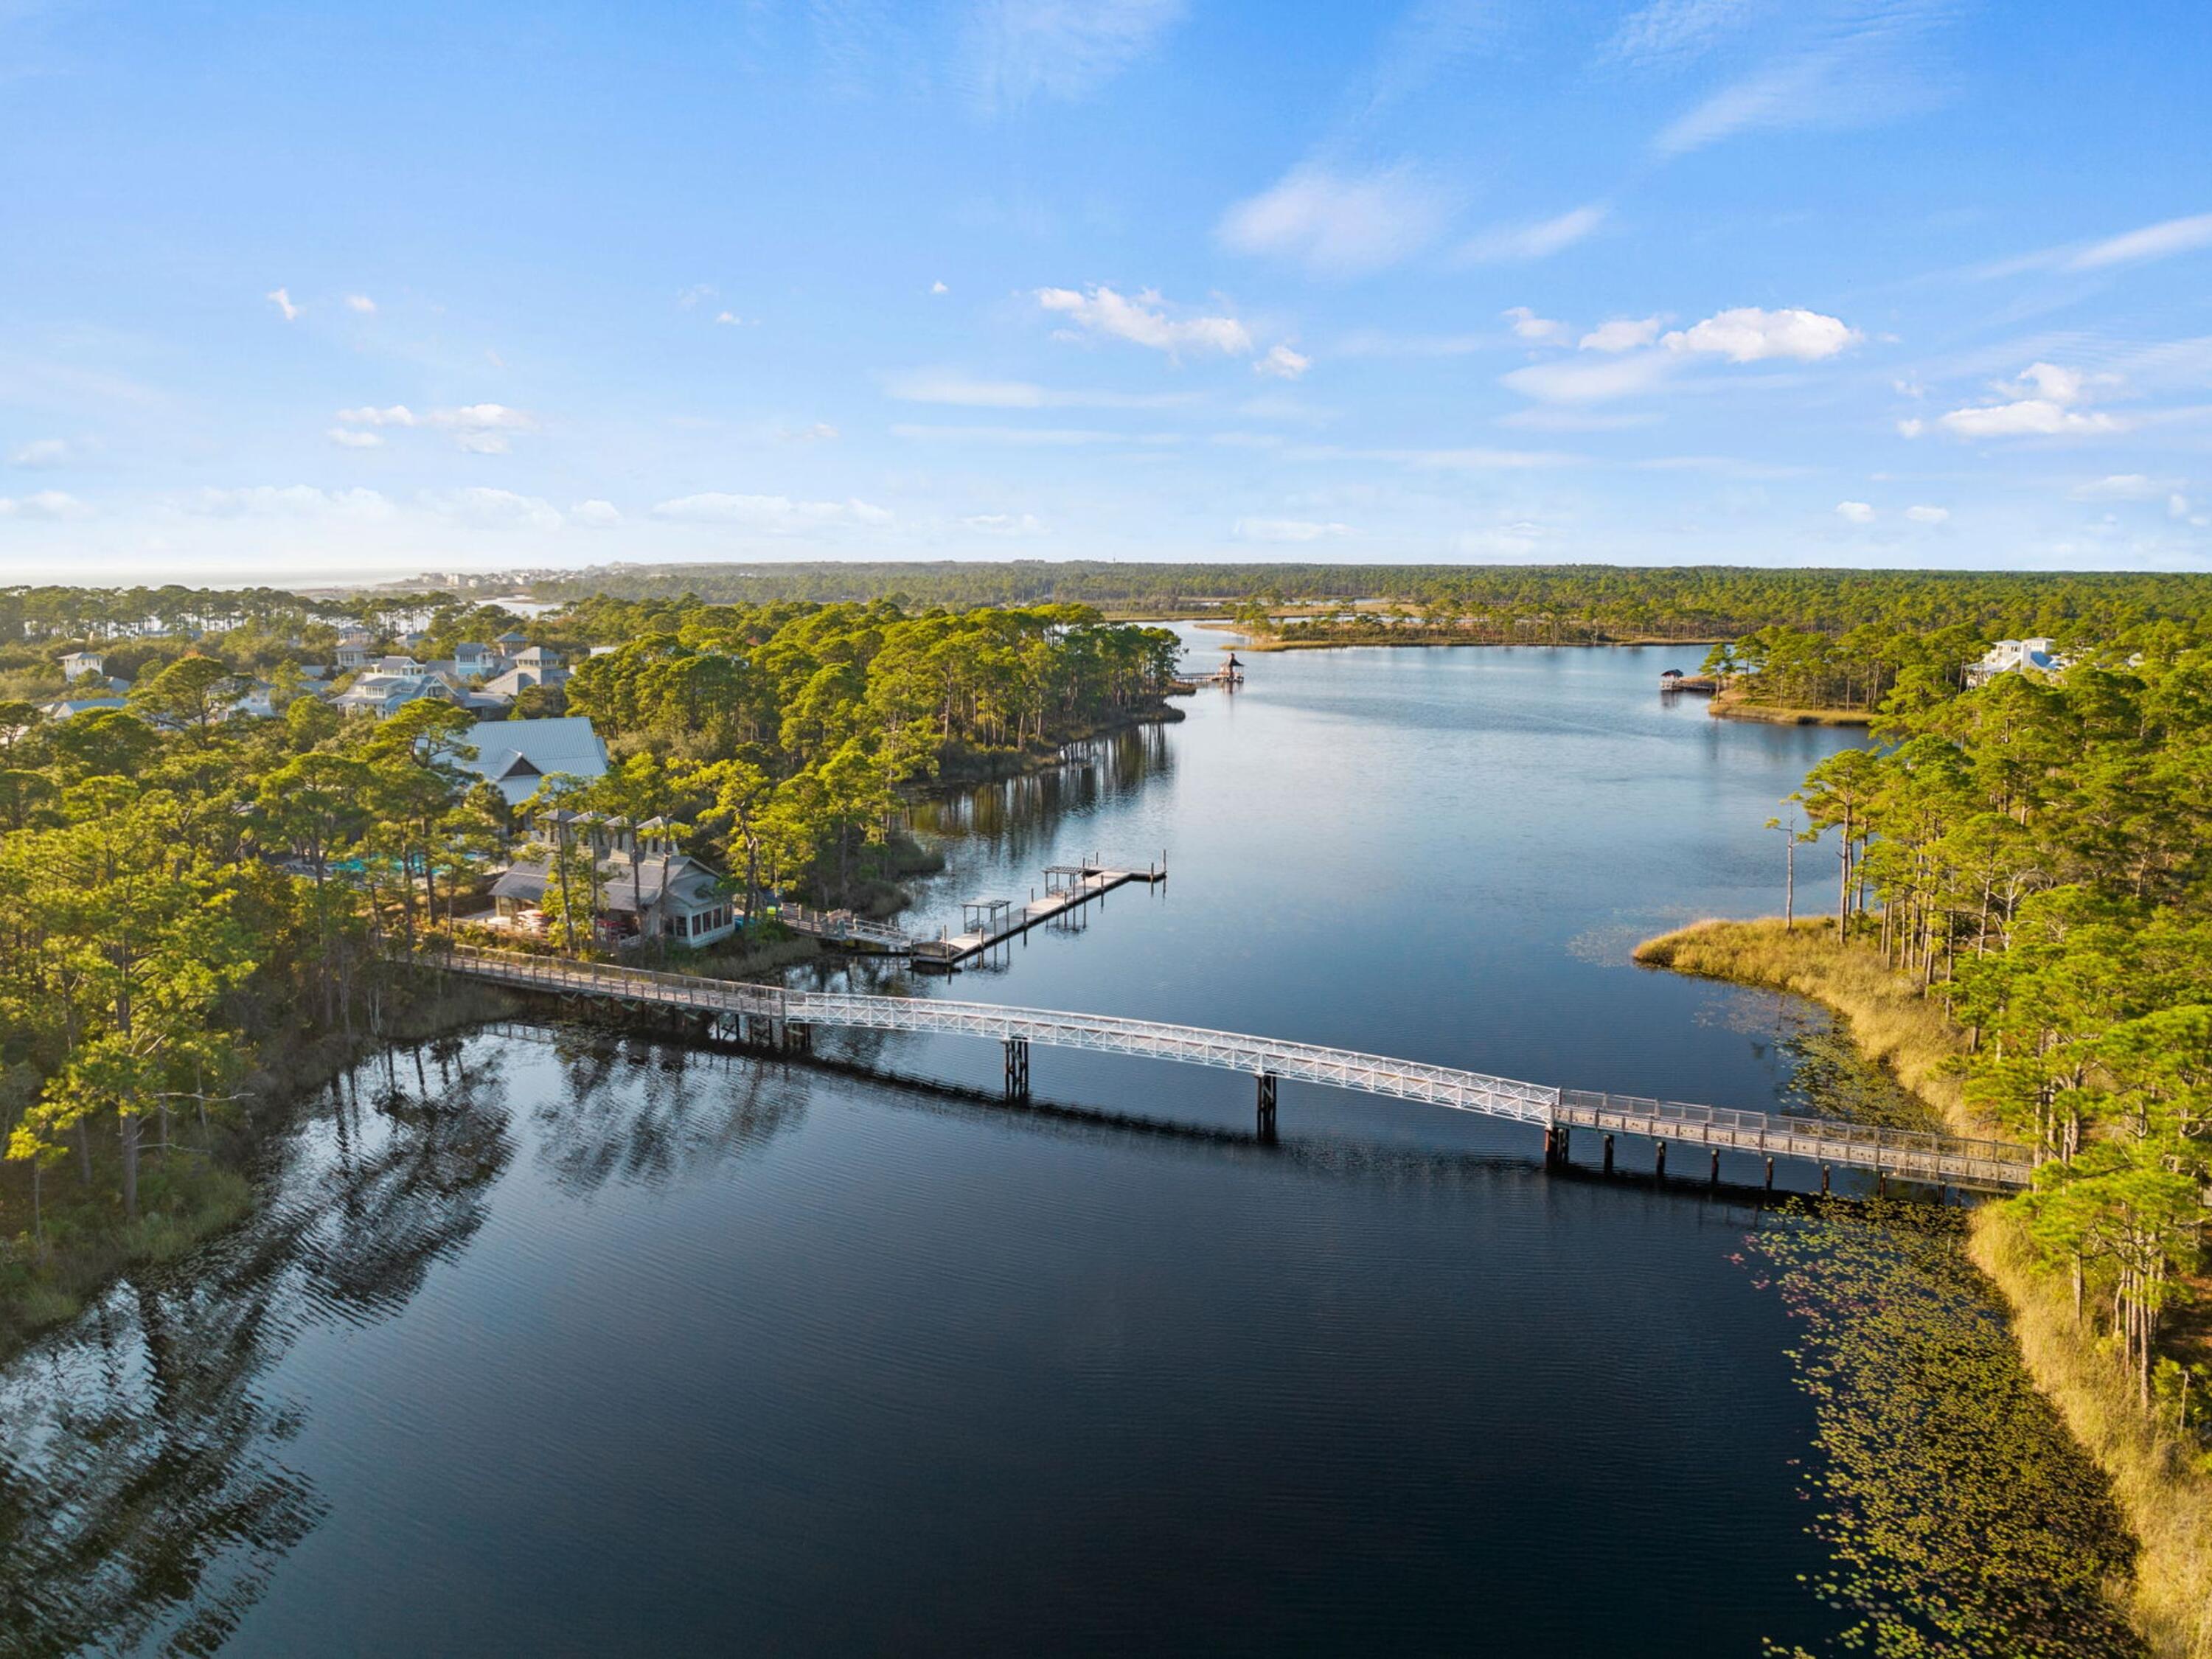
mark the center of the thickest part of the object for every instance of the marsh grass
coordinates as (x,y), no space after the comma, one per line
(2159,1482)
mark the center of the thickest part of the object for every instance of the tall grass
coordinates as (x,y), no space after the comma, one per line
(2161,1482)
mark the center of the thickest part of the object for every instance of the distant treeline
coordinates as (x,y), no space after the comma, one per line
(1541,602)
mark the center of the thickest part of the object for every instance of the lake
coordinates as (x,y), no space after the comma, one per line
(556,1342)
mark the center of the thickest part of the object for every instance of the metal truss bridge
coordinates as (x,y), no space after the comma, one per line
(786,1018)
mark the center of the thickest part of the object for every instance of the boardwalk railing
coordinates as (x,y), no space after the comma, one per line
(1914,1154)
(1938,1159)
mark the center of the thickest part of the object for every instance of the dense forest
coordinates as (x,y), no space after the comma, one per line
(189,895)
(2038,854)
(1490,604)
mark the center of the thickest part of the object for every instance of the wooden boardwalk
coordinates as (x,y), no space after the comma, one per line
(990,922)
(790,1016)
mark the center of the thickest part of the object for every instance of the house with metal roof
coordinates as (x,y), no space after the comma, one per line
(646,890)
(517,756)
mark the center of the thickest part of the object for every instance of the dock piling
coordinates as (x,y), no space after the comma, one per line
(1017,1068)
(1266,1101)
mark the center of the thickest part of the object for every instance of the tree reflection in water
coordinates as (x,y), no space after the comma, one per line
(144,1500)
(144,1503)
(638,1112)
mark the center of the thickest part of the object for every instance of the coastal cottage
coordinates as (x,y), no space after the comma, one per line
(79,664)
(647,889)
(517,756)
(382,694)
(2014,657)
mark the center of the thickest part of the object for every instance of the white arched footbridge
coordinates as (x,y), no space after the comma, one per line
(1936,1159)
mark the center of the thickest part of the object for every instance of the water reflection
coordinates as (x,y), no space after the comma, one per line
(681,1112)
(1018,816)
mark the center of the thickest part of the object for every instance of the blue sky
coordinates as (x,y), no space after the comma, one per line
(329,292)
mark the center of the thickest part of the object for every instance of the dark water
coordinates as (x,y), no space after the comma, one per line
(628,1349)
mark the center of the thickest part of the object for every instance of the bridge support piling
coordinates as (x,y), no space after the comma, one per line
(798,1038)
(1770,1172)
(1881,1183)
(1608,1154)
(1267,1103)
(1017,1068)
(1713,1175)
(1824,1179)
(1659,1161)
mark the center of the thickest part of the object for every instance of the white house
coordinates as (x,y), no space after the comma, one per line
(2014,657)
(518,756)
(356,650)
(382,694)
(257,701)
(78,664)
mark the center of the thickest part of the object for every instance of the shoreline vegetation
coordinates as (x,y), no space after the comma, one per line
(202,874)
(2158,1477)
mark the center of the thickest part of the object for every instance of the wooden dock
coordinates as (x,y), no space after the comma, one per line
(988,922)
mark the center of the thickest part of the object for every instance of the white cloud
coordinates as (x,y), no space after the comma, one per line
(689,297)
(1335,224)
(1021,48)
(939,287)
(44,504)
(1590,382)
(493,509)
(1143,321)
(595,515)
(1515,539)
(1529,326)
(282,300)
(2152,242)
(1455,460)
(1287,530)
(1622,334)
(1004,524)
(2046,410)
(1747,334)
(729,320)
(1669,31)
(361,303)
(348,437)
(2176,506)
(819,432)
(1927,514)
(1854,511)
(773,514)
(948,386)
(480,428)
(2122,487)
(1534,241)
(1035,437)
(40,453)
(1282,363)
(1842,64)
(1912,427)
(289,501)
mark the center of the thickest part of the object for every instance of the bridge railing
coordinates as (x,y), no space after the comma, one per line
(1442,1085)
(1956,1159)
(1903,1151)
(641,984)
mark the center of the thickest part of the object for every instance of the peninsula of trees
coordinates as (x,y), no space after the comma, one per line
(191,894)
